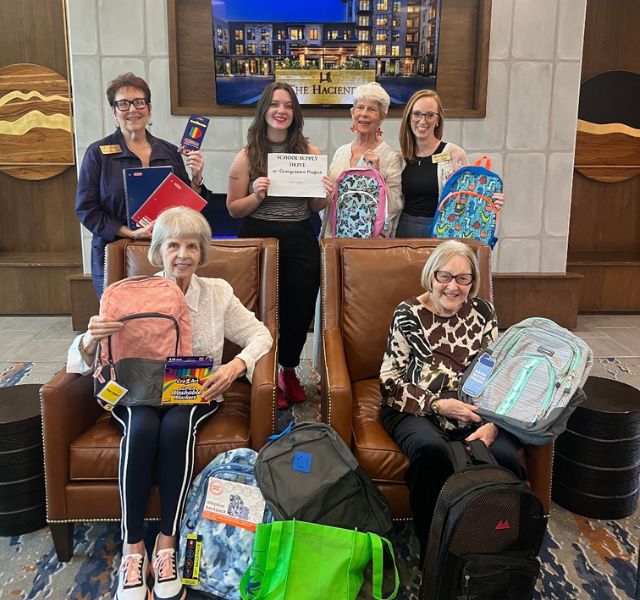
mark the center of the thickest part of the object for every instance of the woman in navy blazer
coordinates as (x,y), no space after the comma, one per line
(100,196)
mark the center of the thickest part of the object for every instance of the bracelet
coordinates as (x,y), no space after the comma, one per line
(198,183)
(83,351)
(434,407)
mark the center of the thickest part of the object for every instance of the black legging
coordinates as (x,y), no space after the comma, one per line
(299,280)
(425,445)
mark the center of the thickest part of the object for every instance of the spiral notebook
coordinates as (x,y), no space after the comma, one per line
(139,184)
(171,192)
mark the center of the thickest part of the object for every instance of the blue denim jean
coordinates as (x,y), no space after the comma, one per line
(414,227)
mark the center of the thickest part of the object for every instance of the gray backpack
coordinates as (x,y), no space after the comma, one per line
(308,473)
(534,385)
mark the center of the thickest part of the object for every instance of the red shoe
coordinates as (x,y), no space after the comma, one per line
(282,399)
(288,381)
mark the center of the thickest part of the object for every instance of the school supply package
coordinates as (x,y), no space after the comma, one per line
(130,363)
(294,560)
(466,209)
(217,531)
(358,206)
(530,381)
(308,473)
(486,532)
(139,184)
(183,379)
(171,192)
(193,135)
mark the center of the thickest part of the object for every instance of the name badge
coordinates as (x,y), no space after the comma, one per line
(112,149)
(436,158)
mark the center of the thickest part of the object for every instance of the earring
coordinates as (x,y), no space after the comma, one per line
(150,122)
(353,128)
(379,132)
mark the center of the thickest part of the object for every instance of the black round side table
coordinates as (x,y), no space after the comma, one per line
(22,499)
(596,465)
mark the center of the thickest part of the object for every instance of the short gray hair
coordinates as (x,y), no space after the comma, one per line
(373,92)
(180,222)
(442,254)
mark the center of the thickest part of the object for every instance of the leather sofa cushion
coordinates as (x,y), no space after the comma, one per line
(94,455)
(376,452)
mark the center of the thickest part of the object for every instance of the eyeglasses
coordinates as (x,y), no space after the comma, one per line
(124,105)
(416,115)
(446,277)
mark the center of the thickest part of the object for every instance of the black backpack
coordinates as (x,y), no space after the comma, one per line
(308,473)
(486,532)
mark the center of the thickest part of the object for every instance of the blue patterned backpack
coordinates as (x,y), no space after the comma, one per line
(358,205)
(466,208)
(214,554)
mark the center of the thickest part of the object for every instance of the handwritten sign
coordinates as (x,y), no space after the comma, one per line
(298,175)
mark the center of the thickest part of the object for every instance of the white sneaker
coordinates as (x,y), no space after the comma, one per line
(167,586)
(132,578)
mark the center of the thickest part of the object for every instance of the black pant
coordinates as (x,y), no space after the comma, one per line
(425,445)
(299,280)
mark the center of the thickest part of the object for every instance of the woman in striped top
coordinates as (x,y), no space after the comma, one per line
(277,127)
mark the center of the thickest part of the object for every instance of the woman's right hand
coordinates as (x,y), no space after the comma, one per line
(100,327)
(456,409)
(260,187)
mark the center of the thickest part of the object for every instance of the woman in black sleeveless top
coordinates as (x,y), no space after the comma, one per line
(429,162)
(277,127)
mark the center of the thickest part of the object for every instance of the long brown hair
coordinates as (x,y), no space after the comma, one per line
(257,142)
(407,139)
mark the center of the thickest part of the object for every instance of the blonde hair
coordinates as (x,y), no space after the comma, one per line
(180,222)
(373,92)
(442,254)
(407,138)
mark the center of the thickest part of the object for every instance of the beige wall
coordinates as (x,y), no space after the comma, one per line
(529,130)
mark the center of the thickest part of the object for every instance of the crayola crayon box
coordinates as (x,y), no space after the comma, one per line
(183,379)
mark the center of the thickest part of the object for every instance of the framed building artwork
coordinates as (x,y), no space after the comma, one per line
(324,50)
(223,53)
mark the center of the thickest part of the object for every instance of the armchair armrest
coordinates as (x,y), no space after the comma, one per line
(263,399)
(539,466)
(337,400)
(68,409)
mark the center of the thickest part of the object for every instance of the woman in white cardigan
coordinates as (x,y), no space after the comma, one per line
(370,107)
(166,436)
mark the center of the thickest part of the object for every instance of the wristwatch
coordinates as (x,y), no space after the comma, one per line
(434,407)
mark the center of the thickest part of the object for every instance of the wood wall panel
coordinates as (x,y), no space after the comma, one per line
(604,231)
(518,296)
(39,226)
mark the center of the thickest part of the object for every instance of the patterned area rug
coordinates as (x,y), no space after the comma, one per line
(581,557)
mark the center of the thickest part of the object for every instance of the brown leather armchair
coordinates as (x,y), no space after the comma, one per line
(362,283)
(81,445)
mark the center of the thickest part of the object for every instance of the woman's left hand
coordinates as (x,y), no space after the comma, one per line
(498,200)
(219,381)
(195,162)
(372,159)
(487,433)
(329,185)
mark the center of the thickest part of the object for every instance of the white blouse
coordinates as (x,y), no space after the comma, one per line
(216,313)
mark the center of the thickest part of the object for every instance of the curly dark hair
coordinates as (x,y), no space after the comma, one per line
(127,80)
(257,143)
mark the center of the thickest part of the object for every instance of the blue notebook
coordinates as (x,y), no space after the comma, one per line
(139,184)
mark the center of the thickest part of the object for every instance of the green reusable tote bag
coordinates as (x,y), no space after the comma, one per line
(295,560)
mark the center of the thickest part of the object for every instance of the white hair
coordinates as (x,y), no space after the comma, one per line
(373,92)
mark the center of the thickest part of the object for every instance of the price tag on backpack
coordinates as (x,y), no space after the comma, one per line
(479,376)
(234,503)
(112,393)
(192,554)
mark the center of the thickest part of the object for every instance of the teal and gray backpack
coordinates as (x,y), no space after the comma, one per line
(214,554)
(535,382)
(466,209)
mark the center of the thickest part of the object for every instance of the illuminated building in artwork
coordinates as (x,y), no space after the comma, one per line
(392,37)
